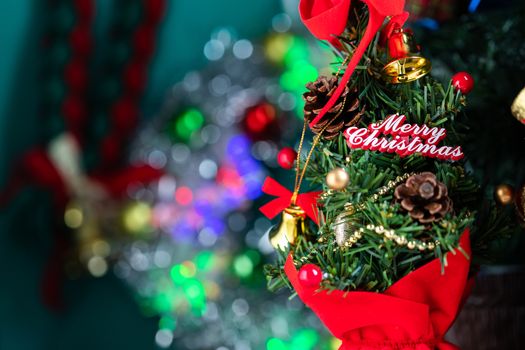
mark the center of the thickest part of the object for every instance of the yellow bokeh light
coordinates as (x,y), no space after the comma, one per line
(137,217)
(73,216)
(276,47)
(97,266)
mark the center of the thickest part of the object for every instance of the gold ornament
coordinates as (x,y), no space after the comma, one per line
(407,64)
(337,179)
(518,107)
(291,226)
(504,194)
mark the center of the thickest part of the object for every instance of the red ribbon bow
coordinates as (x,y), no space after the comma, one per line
(307,201)
(414,313)
(326,19)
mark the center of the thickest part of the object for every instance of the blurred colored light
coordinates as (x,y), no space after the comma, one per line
(177,274)
(188,269)
(204,260)
(259,117)
(216,225)
(164,338)
(229,177)
(243,266)
(162,303)
(137,217)
(101,248)
(183,195)
(305,339)
(97,266)
(300,73)
(213,290)
(298,51)
(276,47)
(196,295)
(167,322)
(275,344)
(188,122)
(73,216)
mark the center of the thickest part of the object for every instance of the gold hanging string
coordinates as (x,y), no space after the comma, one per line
(299,178)
(299,175)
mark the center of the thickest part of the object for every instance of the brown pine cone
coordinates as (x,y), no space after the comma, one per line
(318,95)
(424,197)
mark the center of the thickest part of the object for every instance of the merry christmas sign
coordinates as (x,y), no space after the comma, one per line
(405,139)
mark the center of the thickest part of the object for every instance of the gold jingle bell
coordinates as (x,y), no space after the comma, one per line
(407,64)
(291,226)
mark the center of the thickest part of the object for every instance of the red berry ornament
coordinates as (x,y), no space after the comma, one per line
(286,157)
(310,275)
(463,82)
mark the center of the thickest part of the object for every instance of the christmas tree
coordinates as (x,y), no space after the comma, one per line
(393,209)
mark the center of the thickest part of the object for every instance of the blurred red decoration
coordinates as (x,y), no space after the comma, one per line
(110,149)
(260,122)
(144,41)
(80,40)
(154,10)
(84,9)
(74,111)
(135,77)
(310,275)
(75,75)
(286,157)
(463,82)
(124,114)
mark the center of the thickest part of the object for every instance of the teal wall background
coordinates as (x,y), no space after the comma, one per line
(100,314)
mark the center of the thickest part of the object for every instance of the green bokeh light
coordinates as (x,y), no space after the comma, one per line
(196,296)
(167,322)
(297,51)
(204,260)
(243,266)
(305,339)
(275,344)
(187,123)
(300,73)
(177,275)
(162,303)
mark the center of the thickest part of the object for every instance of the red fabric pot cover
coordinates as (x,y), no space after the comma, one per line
(414,313)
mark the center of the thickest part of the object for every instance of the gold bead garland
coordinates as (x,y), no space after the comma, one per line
(401,240)
(381,192)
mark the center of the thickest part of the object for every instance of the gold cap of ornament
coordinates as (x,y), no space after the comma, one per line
(407,64)
(291,226)
(518,106)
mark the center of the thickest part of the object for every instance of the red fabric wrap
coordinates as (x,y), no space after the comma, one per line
(414,313)
(326,19)
(307,201)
